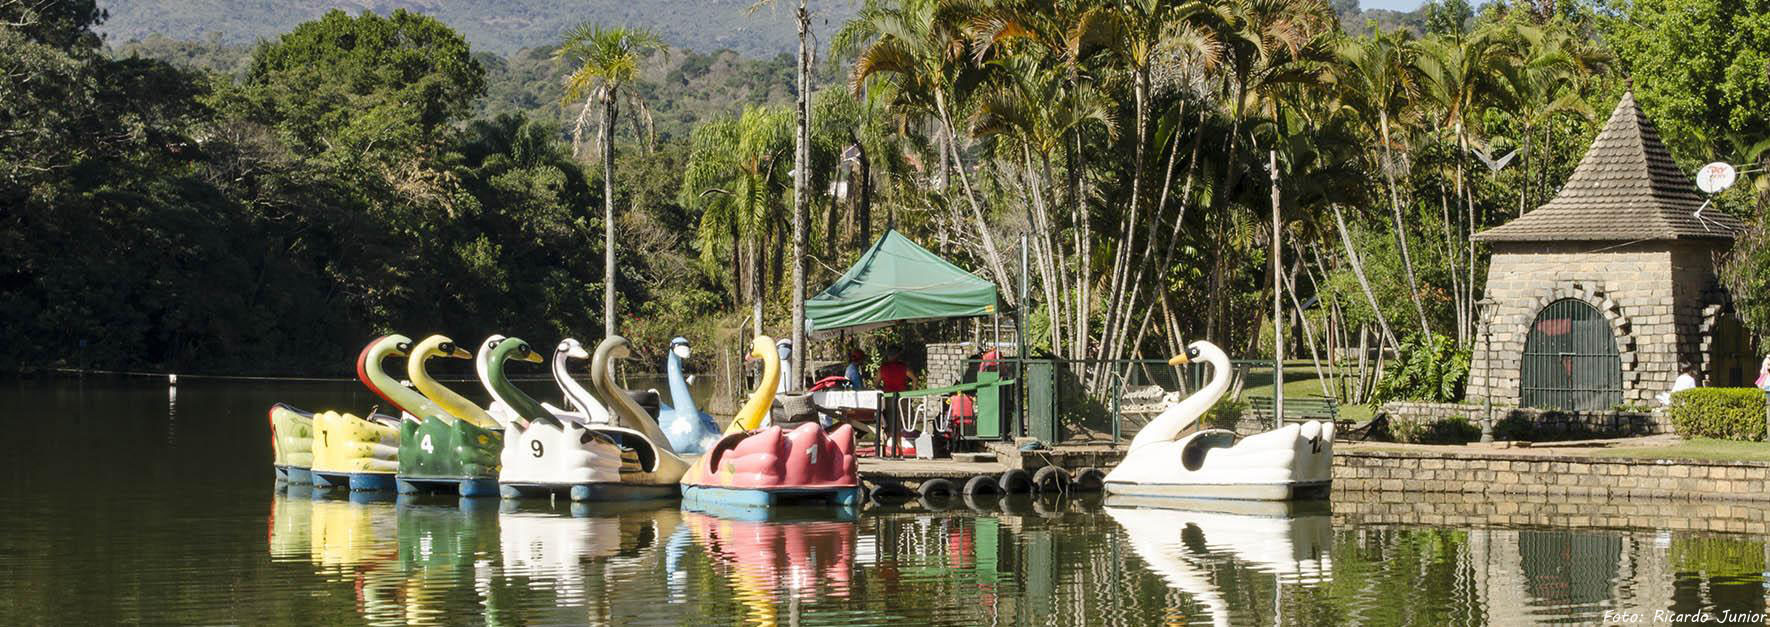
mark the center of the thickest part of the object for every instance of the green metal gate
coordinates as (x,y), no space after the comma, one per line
(1570,360)
(1041,399)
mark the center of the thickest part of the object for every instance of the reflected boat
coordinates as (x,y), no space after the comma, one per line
(770,561)
(1184,540)
(554,550)
(355,543)
(442,541)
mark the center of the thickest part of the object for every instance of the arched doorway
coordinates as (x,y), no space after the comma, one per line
(1570,360)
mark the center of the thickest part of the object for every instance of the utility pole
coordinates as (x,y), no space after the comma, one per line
(1277,303)
(801,187)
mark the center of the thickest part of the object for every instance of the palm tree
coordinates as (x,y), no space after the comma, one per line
(736,177)
(605,60)
(1376,76)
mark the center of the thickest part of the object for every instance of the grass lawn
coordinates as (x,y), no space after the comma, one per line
(1299,382)
(1698,449)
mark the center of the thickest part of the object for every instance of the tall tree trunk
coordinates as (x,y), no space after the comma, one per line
(608,212)
(865,179)
(989,239)
(801,186)
(1278,330)
(1370,297)
(1407,262)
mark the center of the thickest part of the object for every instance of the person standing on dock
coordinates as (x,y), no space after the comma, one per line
(856,380)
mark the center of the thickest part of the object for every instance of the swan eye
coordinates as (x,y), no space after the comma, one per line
(446,347)
(1192,353)
(404,346)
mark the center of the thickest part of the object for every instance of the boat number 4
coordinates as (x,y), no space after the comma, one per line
(1315,444)
(426,445)
(535,445)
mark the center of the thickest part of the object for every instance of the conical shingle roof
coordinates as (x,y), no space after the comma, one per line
(1627,188)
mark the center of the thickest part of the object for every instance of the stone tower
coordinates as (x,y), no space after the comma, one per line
(1602,295)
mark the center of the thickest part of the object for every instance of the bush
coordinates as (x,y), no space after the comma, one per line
(1226,414)
(1724,413)
(1432,371)
(1453,430)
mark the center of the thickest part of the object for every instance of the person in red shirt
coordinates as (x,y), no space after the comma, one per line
(894,375)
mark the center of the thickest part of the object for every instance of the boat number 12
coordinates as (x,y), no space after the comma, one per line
(426,445)
(535,445)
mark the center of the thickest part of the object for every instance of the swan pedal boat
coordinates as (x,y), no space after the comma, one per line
(760,467)
(291,443)
(361,454)
(448,445)
(1292,462)
(547,452)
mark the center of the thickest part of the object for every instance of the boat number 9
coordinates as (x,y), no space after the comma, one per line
(1315,444)
(535,445)
(426,445)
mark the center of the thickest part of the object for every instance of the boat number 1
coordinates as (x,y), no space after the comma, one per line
(535,445)
(1315,444)
(426,445)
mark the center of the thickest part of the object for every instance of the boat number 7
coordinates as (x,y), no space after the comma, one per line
(1315,444)
(426,445)
(535,445)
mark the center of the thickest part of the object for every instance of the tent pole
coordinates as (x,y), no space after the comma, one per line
(1020,346)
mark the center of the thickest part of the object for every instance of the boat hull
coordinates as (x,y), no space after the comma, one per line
(1289,463)
(771,467)
(1292,491)
(438,456)
(291,442)
(590,492)
(361,454)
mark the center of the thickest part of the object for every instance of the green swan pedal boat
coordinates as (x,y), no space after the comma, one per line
(447,443)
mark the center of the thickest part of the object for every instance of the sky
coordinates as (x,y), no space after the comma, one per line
(1398,5)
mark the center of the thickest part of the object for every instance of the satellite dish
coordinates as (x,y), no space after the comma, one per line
(1715,177)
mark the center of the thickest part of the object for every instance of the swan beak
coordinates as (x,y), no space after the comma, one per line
(1179,360)
(533,357)
(461,353)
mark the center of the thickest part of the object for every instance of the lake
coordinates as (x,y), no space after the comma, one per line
(125,502)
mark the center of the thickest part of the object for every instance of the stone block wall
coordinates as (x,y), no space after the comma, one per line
(1453,509)
(1651,293)
(1550,476)
(1547,424)
(947,361)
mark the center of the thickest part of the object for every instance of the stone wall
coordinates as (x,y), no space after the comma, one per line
(1651,293)
(1550,476)
(1545,424)
(1369,508)
(947,361)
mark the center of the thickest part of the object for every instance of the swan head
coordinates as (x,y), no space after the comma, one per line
(391,345)
(763,348)
(1197,352)
(486,346)
(440,346)
(569,348)
(679,347)
(615,347)
(516,348)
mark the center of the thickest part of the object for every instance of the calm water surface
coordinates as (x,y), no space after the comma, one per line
(124,503)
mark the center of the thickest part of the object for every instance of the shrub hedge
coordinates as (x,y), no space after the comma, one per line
(1725,413)
(1453,430)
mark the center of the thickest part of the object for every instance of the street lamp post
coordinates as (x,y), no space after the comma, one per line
(1485,309)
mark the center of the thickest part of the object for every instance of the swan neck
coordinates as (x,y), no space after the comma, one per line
(519,401)
(681,399)
(602,377)
(750,417)
(402,398)
(456,405)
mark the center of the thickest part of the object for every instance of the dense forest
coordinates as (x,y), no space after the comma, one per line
(211,206)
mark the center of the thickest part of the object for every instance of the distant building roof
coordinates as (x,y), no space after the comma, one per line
(1626,188)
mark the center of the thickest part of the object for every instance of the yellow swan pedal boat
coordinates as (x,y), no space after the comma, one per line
(447,443)
(291,444)
(356,452)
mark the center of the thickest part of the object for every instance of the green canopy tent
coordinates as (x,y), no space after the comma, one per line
(897,281)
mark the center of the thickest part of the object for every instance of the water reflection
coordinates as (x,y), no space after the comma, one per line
(1188,542)
(795,556)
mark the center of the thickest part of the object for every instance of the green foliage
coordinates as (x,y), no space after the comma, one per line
(1453,430)
(1226,414)
(1428,370)
(1724,413)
